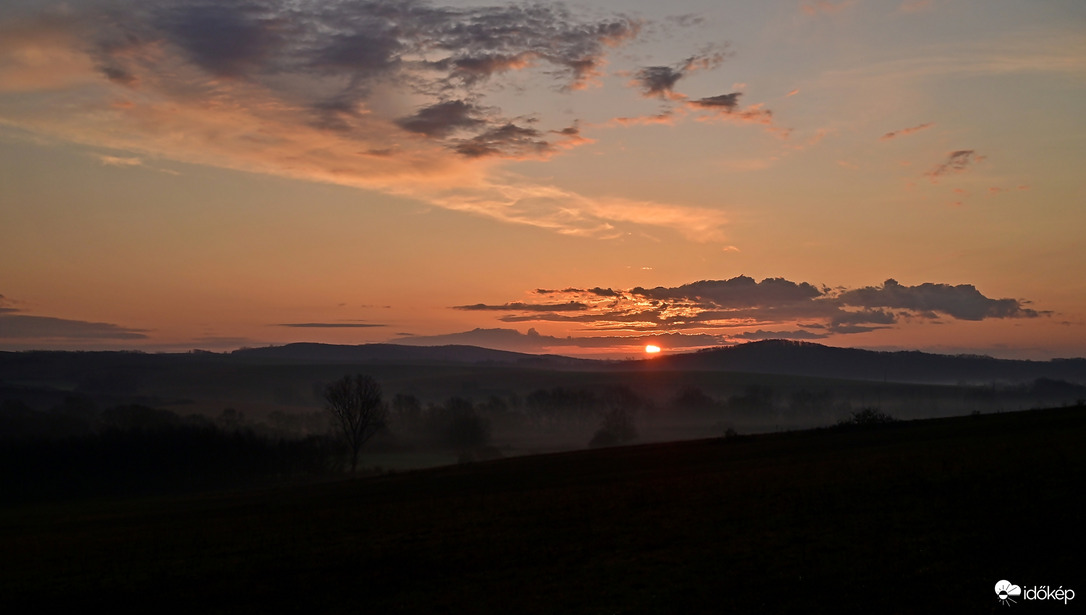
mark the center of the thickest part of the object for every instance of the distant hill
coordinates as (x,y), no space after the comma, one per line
(396,353)
(810,359)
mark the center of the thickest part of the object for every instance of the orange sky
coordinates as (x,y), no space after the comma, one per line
(579,178)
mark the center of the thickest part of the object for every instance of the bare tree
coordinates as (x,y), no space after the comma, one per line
(356,407)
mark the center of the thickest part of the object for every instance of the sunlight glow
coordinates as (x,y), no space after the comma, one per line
(652,349)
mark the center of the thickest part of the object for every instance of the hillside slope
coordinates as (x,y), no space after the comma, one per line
(914,517)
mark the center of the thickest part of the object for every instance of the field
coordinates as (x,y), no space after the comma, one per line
(916,516)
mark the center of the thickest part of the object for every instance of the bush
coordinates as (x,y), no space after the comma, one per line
(617,428)
(866,417)
(457,424)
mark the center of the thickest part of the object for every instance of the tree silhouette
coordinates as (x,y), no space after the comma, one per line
(356,407)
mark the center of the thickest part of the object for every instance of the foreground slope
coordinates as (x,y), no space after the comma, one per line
(906,518)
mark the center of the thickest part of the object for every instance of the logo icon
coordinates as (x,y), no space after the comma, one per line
(1005,589)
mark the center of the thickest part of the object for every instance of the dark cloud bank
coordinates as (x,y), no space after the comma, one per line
(334,57)
(718,311)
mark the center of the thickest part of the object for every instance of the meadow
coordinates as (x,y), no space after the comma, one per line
(911,516)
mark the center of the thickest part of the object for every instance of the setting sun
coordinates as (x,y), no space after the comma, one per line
(652,349)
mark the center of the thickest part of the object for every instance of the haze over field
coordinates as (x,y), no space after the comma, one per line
(579,178)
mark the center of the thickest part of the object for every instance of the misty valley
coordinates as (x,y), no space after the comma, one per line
(817,480)
(81,424)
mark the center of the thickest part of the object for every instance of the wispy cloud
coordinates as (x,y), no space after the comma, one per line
(14,325)
(659,81)
(956,162)
(533,341)
(726,106)
(120,161)
(569,306)
(905,131)
(393,96)
(329,325)
(46,328)
(1035,51)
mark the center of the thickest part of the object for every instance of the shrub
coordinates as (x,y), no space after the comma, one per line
(867,416)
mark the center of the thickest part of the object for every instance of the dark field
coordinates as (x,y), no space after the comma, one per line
(922,516)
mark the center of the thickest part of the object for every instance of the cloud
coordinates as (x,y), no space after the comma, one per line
(14,325)
(444,118)
(727,106)
(956,162)
(905,131)
(533,341)
(762,334)
(744,308)
(667,118)
(864,316)
(571,306)
(727,102)
(391,96)
(328,325)
(572,214)
(963,301)
(120,161)
(21,326)
(6,303)
(741,291)
(508,140)
(659,81)
(227,39)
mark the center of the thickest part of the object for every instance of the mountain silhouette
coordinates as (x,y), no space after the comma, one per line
(810,359)
(396,353)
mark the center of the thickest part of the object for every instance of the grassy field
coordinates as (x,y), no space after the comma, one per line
(921,516)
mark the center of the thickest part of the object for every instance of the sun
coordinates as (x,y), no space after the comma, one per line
(650,349)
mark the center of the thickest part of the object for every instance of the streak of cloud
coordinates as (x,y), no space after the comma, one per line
(16,325)
(44,328)
(571,306)
(726,106)
(120,161)
(905,131)
(533,341)
(956,162)
(328,325)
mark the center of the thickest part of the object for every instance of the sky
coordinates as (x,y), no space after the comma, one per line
(579,178)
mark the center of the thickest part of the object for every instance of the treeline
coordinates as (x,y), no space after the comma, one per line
(76,450)
(467,425)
